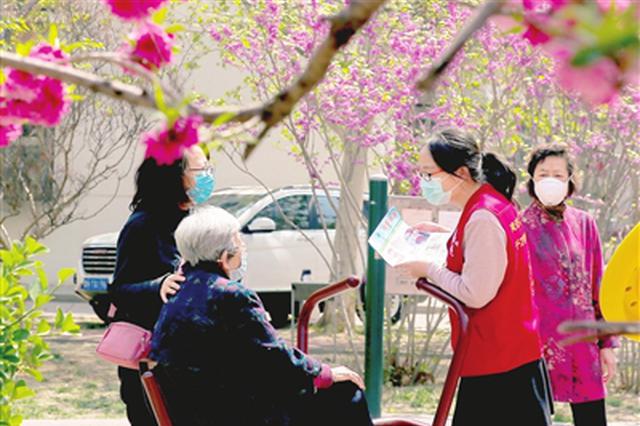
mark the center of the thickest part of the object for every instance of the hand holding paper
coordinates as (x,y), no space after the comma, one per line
(398,243)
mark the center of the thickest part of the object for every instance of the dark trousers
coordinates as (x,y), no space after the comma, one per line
(517,397)
(197,400)
(590,413)
(132,394)
(343,403)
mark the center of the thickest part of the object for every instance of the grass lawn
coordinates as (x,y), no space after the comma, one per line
(622,407)
(77,384)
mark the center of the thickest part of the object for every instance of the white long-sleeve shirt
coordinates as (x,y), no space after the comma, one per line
(485,262)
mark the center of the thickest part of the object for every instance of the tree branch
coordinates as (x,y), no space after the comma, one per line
(126,64)
(596,329)
(115,89)
(343,27)
(489,8)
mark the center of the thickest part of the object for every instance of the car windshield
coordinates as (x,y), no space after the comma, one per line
(235,204)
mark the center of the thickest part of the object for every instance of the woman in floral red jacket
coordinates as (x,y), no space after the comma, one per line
(567,263)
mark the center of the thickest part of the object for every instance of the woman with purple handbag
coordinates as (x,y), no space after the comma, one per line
(147,255)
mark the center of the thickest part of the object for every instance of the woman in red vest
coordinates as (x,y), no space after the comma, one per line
(503,375)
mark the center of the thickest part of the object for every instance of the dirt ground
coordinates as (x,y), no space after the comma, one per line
(78,385)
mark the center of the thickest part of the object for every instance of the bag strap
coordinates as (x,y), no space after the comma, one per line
(111,313)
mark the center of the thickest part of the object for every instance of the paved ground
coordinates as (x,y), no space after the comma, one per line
(123,422)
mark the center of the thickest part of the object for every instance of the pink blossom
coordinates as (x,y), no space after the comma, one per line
(215,34)
(133,9)
(504,22)
(34,98)
(168,145)
(46,52)
(47,108)
(9,133)
(620,5)
(596,83)
(153,46)
(535,35)
(544,5)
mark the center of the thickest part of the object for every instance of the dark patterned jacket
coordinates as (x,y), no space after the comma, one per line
(221,362)
(146,254)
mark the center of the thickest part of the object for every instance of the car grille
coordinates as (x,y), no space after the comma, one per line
(99,260)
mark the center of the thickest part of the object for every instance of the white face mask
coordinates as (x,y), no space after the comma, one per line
(551,191)
(239,274)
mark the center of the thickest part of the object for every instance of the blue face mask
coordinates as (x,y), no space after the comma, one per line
(202,190)
(434,193)
(241,272)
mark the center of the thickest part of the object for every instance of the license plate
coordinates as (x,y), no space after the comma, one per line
(95,284)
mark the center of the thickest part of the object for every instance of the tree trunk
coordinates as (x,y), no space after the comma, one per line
(348,257)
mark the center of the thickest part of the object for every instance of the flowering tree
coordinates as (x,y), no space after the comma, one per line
(363,113)
(374,99)
(582,36)
(501,87)
(47,173)
(513,104)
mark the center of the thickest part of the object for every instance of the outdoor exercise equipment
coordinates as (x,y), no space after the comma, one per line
(161,412)
(619,297)
(620,288)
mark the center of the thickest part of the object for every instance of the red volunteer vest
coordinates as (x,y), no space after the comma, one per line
(504,333)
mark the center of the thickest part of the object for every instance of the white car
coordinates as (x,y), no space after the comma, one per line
(278,253)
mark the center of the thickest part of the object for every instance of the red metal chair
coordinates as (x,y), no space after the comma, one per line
(154,395)
(453,375)
(159,407)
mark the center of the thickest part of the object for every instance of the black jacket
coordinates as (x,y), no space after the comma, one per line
(220,360)
(146,254)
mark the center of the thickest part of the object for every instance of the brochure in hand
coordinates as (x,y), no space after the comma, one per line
(396,242)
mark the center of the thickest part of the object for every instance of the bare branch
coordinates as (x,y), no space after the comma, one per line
(115,89)
(5,238)
(244,169)
(343,26)
(134,95)
(127,64)
(489,8)
(596,329)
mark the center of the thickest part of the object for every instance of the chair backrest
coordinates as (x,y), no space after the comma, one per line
(154,395)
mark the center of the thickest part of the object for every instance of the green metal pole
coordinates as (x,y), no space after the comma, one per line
(374,324)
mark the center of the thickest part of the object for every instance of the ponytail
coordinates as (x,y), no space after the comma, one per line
(498,174)
(452,149)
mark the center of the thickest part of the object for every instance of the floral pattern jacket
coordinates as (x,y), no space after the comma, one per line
(567,266)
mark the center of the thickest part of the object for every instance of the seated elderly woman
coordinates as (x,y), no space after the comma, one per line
(220,362)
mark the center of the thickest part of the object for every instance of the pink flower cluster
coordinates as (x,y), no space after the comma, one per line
(152,48)
(557,25)
(9,133)
(167,145)
(132,10)
(35,99)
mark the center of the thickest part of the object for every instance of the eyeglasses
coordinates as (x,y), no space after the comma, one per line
(428,176)
(209,169)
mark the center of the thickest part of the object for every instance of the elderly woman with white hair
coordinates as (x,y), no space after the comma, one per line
(220,362)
